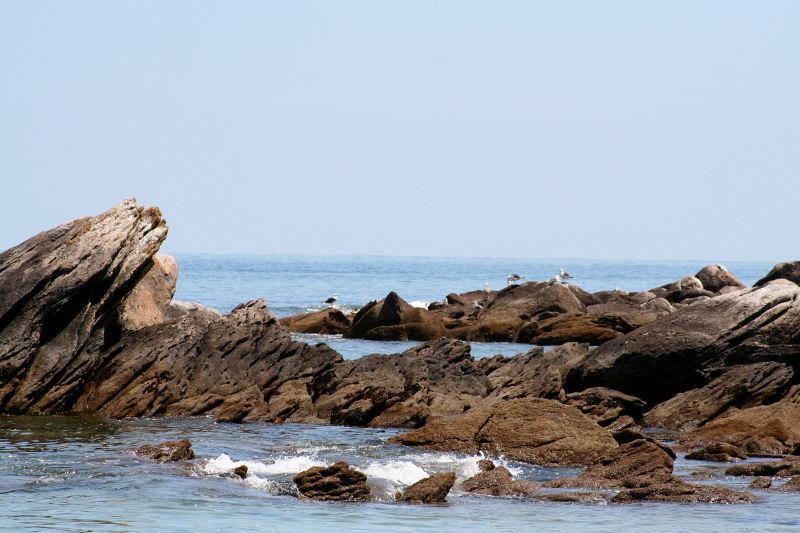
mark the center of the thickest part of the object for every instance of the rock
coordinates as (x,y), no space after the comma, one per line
(259,373)
(59,292)
(149,301)
(484,465)
(497,481)
(789,270)
(167,452)
(327,322)
(606,405)
(761,483)
(568,497)
(179,309)
(763,430)
(687,349)
(793,485)
(537,373)
(715,277)
(677,491)
(786,467)
(594,329)
(426,382)
(739,386)
(240,471)
(432,489)
(394,319)
(337,482)
(536,431)
(719,452)
(638,462)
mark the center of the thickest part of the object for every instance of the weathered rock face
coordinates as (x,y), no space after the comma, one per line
(678,491)
(690,347)
(606,406)
(327,322)
(432,489)
(716,277)
(337,482)
(789,270)
(242,366)
(395,319)
(179,309)
(719,452)
(786,467)
(766,430)
(497,481)
(167,452)
(148,302)
(423,383)
(536,431)
(59,292)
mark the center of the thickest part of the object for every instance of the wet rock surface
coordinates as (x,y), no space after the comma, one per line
(167,452)
(497,481)
(433,489)
(337,482)
(719,452)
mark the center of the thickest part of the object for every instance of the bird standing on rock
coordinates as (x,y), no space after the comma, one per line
(563,274)
(512,279)
(330,301)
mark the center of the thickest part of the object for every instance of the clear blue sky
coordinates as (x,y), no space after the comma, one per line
(627,130)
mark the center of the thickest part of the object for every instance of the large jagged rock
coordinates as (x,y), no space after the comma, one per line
(59,294)
(426,382)
(789,270)
(338,483)
(497,481)
(395,319)
(327,322)
(537,431)
(692,346)
(740,386)
(766,430)
(167,452)
(242,366)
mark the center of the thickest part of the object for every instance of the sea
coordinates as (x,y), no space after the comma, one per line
(76,473)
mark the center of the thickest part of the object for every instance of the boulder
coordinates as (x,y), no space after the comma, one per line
(765,430)
(739,386)
(429,381)
(594,328)
(606,405)
(395,319)
(792,485)
(678,491)
(786,467)
(688,348)
(178,309)
(761,483)
(532,430)
(714,278)
(497,481)
(788,270)
(327,322)
(337,482)
(167,452)
(719,452)
(432,489)
(149,301)
(59,295)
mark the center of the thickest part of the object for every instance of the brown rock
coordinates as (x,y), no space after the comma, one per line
(498,482)
(715,277)
(677,490)
(568,497)
(178,309)
(337,482)
(432,489)
(793,485)
(240,471)
(786,467)
(606,405)
(761,483)
(327,322)
(395,319)
(765,430)
(149,300)
(167,452)
(788,270)
(536,431)
(719,452)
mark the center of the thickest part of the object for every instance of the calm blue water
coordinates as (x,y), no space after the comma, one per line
(69,473)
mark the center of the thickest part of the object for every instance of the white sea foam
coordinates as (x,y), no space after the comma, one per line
(397,472)
(281,465)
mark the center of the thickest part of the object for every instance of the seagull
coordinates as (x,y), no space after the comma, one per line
(512,279)
(563,274)
(476,306)
(330,301)
(553,281)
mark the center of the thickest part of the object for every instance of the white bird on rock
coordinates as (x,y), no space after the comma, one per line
(330,301)
(563,274)
(512,279)
(476,306)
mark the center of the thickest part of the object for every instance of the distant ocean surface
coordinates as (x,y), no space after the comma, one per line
(74,473)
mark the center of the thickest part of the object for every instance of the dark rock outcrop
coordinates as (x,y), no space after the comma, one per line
(497,481)
(337,482)
(327,322)
(678,491)
(433,489)
(606,406)
(395,319)
(719,452)
(786,467)
(788,270)
(536,431)
(167,452)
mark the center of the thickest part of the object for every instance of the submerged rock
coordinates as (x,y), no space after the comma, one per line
(433,489)
(719,452)
(536,431)
(167,452)
(497,481)
(678,491)
(337,482)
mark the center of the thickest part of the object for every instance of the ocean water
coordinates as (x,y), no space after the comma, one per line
(77,473)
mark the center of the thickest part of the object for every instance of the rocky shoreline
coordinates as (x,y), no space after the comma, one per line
(87,324)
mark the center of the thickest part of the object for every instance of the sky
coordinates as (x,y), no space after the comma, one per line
(608,130)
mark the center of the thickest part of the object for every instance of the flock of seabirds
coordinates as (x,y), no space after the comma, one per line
(511,279)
